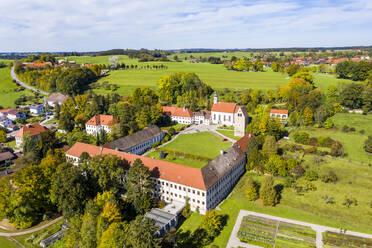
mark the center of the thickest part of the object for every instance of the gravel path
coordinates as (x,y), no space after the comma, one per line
(3,234)
(14,76)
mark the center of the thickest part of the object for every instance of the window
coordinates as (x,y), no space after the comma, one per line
(203,194)
(193,191)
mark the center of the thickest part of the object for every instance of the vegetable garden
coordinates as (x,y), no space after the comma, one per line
(333,240)
(269,233)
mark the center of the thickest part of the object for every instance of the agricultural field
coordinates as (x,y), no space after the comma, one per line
(264,232)
(331,239)
(7,93)
(352,142)
(353,179)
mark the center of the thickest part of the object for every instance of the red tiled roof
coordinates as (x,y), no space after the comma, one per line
(33,129)
(39,64)
(101,120)
(225,107)
(176,173)
(175,111)
(279,111)
(243,142)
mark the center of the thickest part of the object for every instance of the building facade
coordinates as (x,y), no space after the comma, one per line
(98,123)
(5,122)
(36,109)
(179,115)
(203,188)
(32,129)
(282,114)
(138,142)
(12,114)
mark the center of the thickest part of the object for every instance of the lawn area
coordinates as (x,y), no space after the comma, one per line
(205,144)
(7,93)
(325,80)
(229,134)
(354,179)
(184,161)
(353,142)
(11,144)
(32,240)
(6,243)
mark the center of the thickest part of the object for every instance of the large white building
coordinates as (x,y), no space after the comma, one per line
(33,130)
(179,115)
(204,188)
(98,123)
(138,142)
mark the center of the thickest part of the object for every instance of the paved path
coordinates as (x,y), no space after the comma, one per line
(3,234)
(235,242)
(14,76)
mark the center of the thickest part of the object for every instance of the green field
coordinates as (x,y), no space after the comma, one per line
(228,133)
(352,142)
(177,160)
(6,243)
(354,179)
(205,144)
(8,95)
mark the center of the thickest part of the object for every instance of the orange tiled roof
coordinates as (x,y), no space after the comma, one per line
(101,120)
(176,173)
(175,111)
(243,142)
(225,107)
(33,129)
(279,111)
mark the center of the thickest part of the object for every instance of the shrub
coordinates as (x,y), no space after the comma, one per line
(330,177)
(362,131)
(328,124)
(171,131)
(311,150)
(251,191)
(325,141)
(289,182)
(337,149)
(212,223)
(345,129)
(328,199)
(268,193)
(311,175)
(368,144)
(301,137)
(350,201)
(313,141)
(298,171)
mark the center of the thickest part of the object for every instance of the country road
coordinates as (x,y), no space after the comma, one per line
(14,76)
(2,234)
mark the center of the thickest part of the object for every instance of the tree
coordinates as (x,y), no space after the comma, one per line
(212,223)
(351,96)
(308,116)
(328,123)
(3,138)
(268,193)
(140,234)
(292,69)
(305,74)
(367,99)
(337,149)
(115,236)
(368,144)
(251,192)
(66,122)
(140,187)
(270,147)
(242,65)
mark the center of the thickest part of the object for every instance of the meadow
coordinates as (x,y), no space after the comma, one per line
(8,95)
(213,74)
(354,179)
(352,142)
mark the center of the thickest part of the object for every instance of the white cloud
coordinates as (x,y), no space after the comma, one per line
(86,25)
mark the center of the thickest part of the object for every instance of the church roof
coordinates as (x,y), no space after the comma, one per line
(225,107)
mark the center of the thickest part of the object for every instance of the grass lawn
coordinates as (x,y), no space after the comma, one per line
(184,161)
(229,134)
(7,93)
(325,80)
(353,142)
(11,144)
(354,179)
(6,243)
(204,144)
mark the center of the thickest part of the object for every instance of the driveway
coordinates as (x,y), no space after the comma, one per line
(14,76)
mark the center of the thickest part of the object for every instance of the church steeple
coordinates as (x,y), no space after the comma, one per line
(215,98)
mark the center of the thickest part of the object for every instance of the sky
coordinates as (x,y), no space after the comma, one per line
(97,25)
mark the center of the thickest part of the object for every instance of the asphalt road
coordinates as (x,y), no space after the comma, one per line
(14,76)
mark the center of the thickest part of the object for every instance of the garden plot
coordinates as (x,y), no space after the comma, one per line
(269,233)
(334,240)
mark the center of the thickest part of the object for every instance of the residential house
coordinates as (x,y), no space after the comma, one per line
(5,122)
(202,117)
(138,142)
(282,114)
(12,114)
(98,123)
(179,115)
(36,109)
(56,98)
(32,129)
(204,188)
(6,158)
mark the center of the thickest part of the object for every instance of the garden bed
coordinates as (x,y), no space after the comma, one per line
(331,239)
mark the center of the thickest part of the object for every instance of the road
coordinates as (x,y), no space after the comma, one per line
(235,242)
(3,234)
(14,76)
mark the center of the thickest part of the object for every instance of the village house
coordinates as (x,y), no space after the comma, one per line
(138,142)
(5,158)
(56,98)
(179,115)
(33,130)
(12,114)
(36,109)
(282,114)
(5,122)
(204,188)
(100,122)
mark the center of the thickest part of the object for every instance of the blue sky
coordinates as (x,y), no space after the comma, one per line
(92,25)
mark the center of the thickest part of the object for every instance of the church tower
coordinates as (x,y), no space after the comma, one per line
(215,98)
(240,124)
